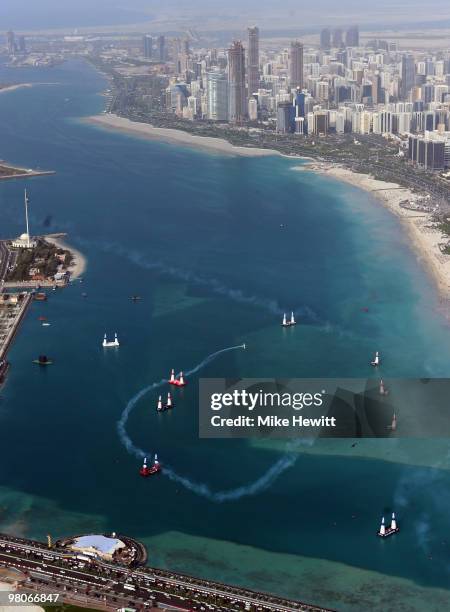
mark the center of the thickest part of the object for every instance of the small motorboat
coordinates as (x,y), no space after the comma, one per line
(43,360)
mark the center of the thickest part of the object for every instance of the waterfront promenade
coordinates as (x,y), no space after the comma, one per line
(105,585)
(12,311)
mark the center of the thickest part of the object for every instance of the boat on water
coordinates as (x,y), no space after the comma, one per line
(160,407)
(393,425)
(177,381)
(135,298)
(376,360)
(147,470)
(382,389)
(110,343)
(46,324)
(40,297)
(43,360)
(42,318)
(290,323)
(384,531)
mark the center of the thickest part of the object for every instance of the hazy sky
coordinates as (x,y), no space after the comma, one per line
(44,14)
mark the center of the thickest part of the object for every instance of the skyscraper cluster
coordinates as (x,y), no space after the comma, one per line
(335,38)
(15,45)
(336,86)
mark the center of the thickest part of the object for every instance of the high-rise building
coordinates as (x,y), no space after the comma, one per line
(22,44)
(285,118)
(148,46)
(296,65)
(237,106)
(325,39)
(427,152)
(352,37)
(253,61)
(337,38)
(217,95)
(320,123)
(161,45)
(11,42)
(408,75)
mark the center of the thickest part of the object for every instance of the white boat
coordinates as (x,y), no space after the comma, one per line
(376,361)
(108,343)
(286,323)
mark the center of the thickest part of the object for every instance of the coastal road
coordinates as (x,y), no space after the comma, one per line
(110,586)
(4,260)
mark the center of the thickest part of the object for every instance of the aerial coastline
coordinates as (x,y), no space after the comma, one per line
(421,227)
(425,237)
(6,88)
(79,261)
(146,130)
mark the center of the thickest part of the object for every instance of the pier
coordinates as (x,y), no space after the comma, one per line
(13,307)
(9,172)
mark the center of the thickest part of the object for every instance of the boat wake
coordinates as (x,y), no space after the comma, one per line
(258,485)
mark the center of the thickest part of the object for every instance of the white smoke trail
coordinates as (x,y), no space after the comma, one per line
(262,483)
(213,284)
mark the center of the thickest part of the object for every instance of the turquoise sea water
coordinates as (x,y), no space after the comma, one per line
(216,245)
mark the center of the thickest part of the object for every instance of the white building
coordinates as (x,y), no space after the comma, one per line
(217,95)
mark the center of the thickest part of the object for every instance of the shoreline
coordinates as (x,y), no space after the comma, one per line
(14,87)
(425,239)
(79,264)
(171,135)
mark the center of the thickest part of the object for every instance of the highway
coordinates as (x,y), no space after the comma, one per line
(106,585)
(4,260)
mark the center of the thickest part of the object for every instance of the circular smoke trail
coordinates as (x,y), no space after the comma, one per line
(256,486)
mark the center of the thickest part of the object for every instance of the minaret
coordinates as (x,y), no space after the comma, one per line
(26,219)
(393,522)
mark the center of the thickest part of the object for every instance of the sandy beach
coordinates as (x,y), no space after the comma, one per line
(79,264)
(146,130)
(14,87)
(425,238)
